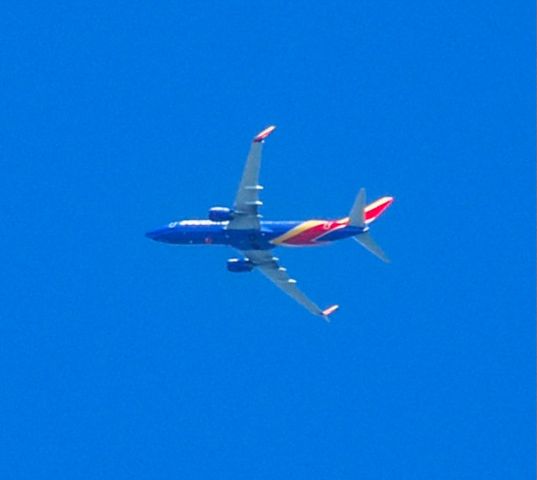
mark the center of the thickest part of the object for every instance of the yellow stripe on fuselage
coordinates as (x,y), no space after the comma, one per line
(302,227)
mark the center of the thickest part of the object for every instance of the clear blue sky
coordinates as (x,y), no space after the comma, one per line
(124,359)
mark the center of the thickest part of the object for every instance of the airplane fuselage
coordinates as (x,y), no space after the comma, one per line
(271,234)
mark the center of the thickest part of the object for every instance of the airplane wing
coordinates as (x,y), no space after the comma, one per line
(247,199)
(268,265)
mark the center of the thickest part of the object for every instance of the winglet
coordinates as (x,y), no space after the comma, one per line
(264,134)
(328,311)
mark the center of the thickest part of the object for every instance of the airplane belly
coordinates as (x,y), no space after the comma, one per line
(250,239)
(197,235)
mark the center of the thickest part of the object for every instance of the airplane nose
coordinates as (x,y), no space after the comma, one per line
(156,234)
(151,234)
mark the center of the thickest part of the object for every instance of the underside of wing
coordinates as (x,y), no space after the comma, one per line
(268,266)
(246,216)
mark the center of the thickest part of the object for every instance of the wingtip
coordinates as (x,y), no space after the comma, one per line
(264,134)
(328,311)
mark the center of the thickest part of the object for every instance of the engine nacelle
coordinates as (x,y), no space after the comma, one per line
(239,265)
(220,214)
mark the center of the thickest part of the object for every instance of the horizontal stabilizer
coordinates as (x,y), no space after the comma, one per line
(357,215)
(366,240)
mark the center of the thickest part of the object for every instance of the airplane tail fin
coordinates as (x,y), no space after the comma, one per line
(362,214)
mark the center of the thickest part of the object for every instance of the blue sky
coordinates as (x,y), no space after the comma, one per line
(123,358)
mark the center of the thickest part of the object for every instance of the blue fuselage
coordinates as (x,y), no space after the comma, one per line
(270,235)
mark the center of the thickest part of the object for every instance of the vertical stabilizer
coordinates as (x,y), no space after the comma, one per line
(376,209)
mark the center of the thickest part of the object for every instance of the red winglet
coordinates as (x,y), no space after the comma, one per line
(328,311)
(264,134)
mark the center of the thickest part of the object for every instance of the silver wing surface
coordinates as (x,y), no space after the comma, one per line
(247,200)
(268,265)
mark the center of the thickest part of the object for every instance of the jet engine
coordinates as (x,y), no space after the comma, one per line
(239,265)
(220,214)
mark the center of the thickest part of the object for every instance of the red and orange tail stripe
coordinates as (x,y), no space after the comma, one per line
(300,231)
(309,231)
(375,209)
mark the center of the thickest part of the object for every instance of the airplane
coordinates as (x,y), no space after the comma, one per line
(241,227)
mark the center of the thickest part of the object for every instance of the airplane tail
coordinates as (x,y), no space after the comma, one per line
(362,215)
